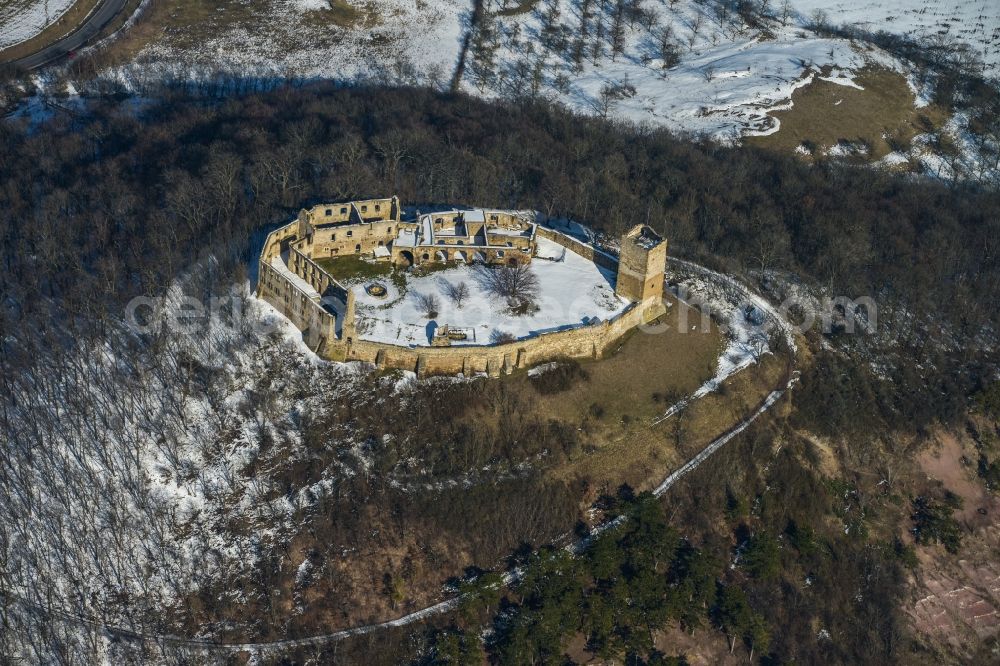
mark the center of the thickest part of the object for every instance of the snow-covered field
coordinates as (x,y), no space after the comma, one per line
(722,91)
(23,19)
(693,66)
(974,22)
(573,291)
(726,78)
(402,39)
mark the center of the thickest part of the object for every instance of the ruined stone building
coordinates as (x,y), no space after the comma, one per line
(379,230)
(641,261)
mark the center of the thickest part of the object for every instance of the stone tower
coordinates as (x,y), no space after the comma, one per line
(641,264)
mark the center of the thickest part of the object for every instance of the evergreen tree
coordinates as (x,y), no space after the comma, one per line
(762,557)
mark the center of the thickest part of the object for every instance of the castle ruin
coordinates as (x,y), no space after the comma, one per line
(378,230)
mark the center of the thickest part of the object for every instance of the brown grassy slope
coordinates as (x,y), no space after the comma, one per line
(883,116)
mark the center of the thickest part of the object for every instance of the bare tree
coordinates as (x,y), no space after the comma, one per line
(670,53)
(517,284)
(618,31)
(392,148)
(428,304)
(756,345)
(498,337)
(695,25)
(819,20)
(785,12)
(458,293)
(612,92)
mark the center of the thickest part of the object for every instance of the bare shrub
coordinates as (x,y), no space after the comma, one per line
(498,337)
(755,345)
(559,377)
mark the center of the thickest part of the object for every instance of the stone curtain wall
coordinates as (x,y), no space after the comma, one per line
(599,257)
(583,342)
(319,327)
(274,240)
(320,280)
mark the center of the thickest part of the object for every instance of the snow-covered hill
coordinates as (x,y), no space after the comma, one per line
(710,67)
(694,67)
(131,506)
(973,22)
(23,19)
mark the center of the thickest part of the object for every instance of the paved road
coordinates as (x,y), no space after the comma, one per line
(94,23)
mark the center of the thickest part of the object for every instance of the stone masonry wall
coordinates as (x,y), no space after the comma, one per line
(317,325)
(583,342)
(599,257)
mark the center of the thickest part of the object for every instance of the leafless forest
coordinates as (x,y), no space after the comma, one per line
(151,481)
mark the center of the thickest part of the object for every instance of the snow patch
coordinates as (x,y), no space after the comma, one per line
(20,20)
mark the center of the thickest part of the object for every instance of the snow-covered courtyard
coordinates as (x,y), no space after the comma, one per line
(573,292)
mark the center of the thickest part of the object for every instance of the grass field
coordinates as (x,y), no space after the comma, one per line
(642,454)
(623,383)
(614,408)
(624,392)
(882,117)
(351,268)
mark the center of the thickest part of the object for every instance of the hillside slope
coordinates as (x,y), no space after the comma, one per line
(23,19)
(711,68)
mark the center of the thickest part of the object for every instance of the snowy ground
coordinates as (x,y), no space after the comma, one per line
(23,19)
(573,291)
(729,300)
(406,40)
(726,90)
(974,22)
(728,75)
(141,503)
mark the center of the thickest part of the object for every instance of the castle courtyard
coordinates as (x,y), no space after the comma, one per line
(573,291)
